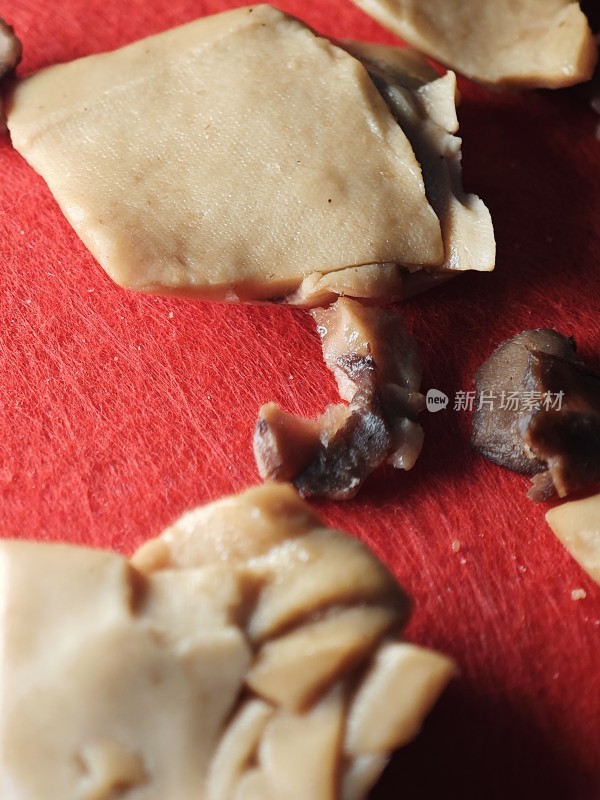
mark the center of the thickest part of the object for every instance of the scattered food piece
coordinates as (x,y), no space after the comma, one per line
(10,55)
(565,440)
(375,723)
(538,413)
(578,594)
(214,178)
(424,104)
(500,382)
(577,525)
(522,45)
(97,688)
(10,49)
(246,652)
(376,366)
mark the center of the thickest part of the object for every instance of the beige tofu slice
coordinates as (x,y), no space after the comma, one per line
(577,525)
(374,722)
(292,669)
(361,775)
(424,103)
(253,786)
(148,680)
(95,695)
(213,159)
(503,43)
(299,753)
(302,576)
(239,157)
(237,747)
(232,530)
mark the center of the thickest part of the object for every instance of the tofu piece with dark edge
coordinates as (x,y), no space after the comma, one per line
(242,157)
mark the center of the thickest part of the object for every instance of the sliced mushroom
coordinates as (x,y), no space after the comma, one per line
(538,412)
(524,44)
(376,366)
(226,662)
(567,439)
(500,383)
(214,177)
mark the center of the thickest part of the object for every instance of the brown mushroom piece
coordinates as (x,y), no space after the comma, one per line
(10,55)
(501,43)
(246,652)
(376,366)
(538,413)
(289,177)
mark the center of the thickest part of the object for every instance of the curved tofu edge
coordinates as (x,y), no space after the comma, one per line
(159,693)
(374,723)
(425,108)
(566,53)
(577,526)
(314,204)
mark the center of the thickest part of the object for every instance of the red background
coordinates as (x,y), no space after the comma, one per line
(118,412)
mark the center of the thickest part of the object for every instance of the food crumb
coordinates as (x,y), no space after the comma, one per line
(455,546)
(463,561)
(171,314)
(578,594)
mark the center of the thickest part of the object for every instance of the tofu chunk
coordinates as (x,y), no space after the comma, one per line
(513,44)
(226,660)
(239,157)
(577,525)
(97,695)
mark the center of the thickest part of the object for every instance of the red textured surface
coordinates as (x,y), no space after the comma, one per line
(119,412)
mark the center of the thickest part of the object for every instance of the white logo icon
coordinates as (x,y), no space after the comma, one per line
(436,400)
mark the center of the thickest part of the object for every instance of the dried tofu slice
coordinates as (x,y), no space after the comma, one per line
(291,669)
(374,723)
(299,753)
(424,104)
(147,678)
(237,748)
(577,525)
(522,44)
(228,158)
(96,693)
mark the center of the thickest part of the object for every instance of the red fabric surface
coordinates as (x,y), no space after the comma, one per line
(118,412)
